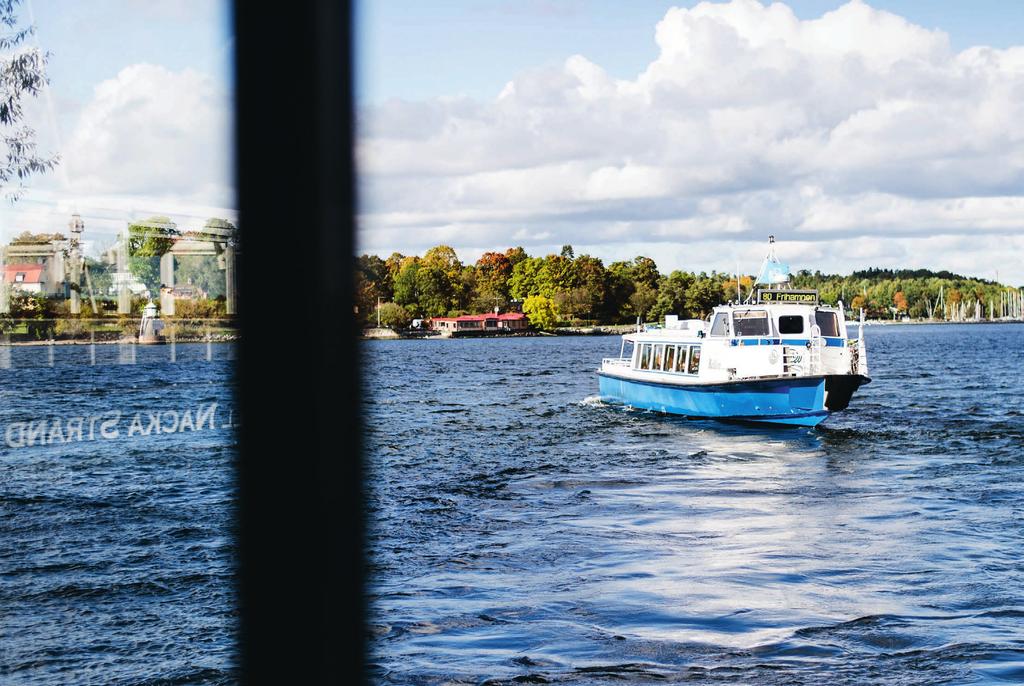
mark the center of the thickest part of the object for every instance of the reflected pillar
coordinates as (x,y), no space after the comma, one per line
(124,298)
(229,279)
(5,292)
(167,284)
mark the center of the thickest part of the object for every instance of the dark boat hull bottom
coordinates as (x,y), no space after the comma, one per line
(797,401)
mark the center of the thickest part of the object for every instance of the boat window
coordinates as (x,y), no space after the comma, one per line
(670,358)
(645,356)
(791,323)
(659,350)
(750,322)
(694,359)
(681,360)
(720,327)
(827,322)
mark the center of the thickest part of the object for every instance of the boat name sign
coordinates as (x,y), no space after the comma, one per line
(765,295)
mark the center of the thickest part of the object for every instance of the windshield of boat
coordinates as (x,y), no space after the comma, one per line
(750,322)
(791,323)
(827,322)
(720,327)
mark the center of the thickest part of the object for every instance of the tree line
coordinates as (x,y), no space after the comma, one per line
(566,288)
(557,288)
(918,294)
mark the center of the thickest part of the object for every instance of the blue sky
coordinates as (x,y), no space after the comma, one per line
(92,41)
(896,152)
(138,107)
(863,133)
(417,50)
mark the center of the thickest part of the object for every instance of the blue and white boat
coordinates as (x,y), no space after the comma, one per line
(781,357)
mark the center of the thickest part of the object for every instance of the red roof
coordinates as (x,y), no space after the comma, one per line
(507,316)
(33,272)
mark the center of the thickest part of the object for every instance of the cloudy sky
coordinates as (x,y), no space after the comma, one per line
(859,134)
(139,109)
(887,134)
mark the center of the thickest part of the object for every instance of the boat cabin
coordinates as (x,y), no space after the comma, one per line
(767,338)
(780,357)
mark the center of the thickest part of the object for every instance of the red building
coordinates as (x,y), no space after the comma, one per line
(30,278)
(480,323)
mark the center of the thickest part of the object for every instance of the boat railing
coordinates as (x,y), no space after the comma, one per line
(862,350)
(814,352)
(858,356)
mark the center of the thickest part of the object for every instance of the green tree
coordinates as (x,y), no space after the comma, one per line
(515,255)
(219,229)
(29,238)
(148,241)
(394,316)
(541,312)
(525,280)
(202,272)
(642,300)
(394,263)
(619,286)
(493,271)
(36,313)
(22,73)
(672,296)
(591,278)
(372,284)
(99,274)
(703,295)
(556,274)
(573,303)
(444,259)
(645,271)
(434,291)
(406,289)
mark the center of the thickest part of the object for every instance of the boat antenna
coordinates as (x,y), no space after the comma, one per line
(739,296)
(772,272)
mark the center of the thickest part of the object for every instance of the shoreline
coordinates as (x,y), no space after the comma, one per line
(118,341)
(886,322)
(619,329)
(598,330)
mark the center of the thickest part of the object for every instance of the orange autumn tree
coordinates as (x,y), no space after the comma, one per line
(900,301)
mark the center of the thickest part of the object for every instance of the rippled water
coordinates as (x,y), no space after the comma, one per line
(116,548)
(524,531)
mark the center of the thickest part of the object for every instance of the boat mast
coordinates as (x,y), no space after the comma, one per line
(773,273)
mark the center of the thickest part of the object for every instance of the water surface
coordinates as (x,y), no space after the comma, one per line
(522,530)
(116,535)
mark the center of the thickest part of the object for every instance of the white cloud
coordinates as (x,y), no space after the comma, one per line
(154,133)
(150,141)
(830,132)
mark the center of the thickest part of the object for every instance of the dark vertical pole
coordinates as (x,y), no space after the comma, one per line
(301,507)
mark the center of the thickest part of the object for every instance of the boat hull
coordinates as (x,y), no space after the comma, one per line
(798,401)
